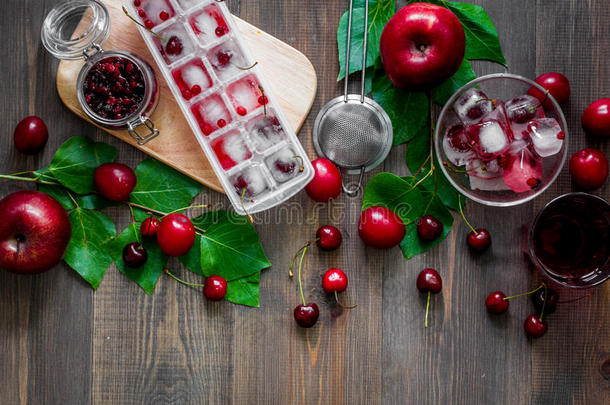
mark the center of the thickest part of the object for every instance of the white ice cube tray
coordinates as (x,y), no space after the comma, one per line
(266,185)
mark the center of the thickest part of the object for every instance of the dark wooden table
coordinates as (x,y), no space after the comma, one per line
(62,343)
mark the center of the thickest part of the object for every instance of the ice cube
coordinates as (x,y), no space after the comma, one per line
(226,59)
(176,43)
(265,131)
(154,12)
(496,184)
(211,114)
(246,95)
(186,4)
(547,136)
(523,171)
(488,139)
(209,24)
(483,170)
(230,149)
(456,146)
(472,105)
(283,165)
(522,109)
(192,78)
(250,179)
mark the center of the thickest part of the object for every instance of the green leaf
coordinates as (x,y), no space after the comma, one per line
(245,290)
(89,201)
(481,36)
(192,259)
(442,92)
(86,252)
(393,192)
(76,160)
(147,275)
(162,188)
(230,246)
(380,11)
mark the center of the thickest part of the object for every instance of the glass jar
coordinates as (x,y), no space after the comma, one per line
(116,89)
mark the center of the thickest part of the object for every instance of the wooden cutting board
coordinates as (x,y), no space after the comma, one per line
(289,72)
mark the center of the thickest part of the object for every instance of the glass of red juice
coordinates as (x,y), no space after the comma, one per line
(569,240)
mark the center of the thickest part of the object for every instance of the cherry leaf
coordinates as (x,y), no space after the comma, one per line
(245,290)
(76,160)
(192,259)
(393,192)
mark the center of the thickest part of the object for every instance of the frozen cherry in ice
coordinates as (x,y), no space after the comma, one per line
(176,43)
(226,59)
(209,23)
(230,149)
(284,165)
(251,180)
(523,171)
(265,131)
(522,109)
(471,106)
(209,112)
(546,135)
(244,94)
(154,12)
(192,78)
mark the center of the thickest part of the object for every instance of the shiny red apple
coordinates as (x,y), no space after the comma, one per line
(34,232)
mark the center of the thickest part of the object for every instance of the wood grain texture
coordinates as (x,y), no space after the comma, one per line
(289,73)
(63,343)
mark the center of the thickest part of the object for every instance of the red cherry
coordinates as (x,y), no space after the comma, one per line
(539,298)
(479,241)
(215,288)
(115,181)
(558,86)
(176,234)
(306,316)
(334,280)
(534,326)
(429,280)
(429,228)
(495,303)
(149,24)
(329,238)
(149,227)
(221,123)
(380,227)
(263,100)
(589,168)
(220,31)
(174,46)
(134,255)
(31,135)
(196,89)
(326,182)
(596,118)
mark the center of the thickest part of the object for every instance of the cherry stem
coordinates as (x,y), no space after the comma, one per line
(302,165)
(160,213)
(248,67)
(294,258)
(180,280)
(525,293)
(544,301)
(142,25)
(343,305)
(427,310)
(30,179)
(243,207)
(133,223)
(187,208)
(422,166)
(464,216)
(264,99)
(300,269)
(413,187)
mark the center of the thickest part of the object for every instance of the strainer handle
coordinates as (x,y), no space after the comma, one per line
(347,49)
(353,191)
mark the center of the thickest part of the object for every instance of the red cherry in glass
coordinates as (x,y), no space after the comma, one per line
(176,234)
(495,303)
(115,181)
(429,228)
(150,226)
(134,255)
(596,118)
(480,241)
(328,238)
(589,168)
(306,316)
(31,135)
(429,280)
(380,227)
(334,280)
(558,86)
(539,297)
(215,288)
(534,326)
(326,182)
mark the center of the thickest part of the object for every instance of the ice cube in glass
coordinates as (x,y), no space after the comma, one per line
(209,24)
(472,106)
(246,95)
(488,139)
(456,146)
(265,131)
(252,180)
(230,149)
(176,43)
(546,135)
(284,165)
(226,59)
(153,12)
(211,114)
(523,171)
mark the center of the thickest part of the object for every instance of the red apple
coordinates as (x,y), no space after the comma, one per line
(422,45)
(34,232)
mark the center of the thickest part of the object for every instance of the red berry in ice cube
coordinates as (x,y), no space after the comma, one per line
(241,110)
(220,31)
(221,123)
(596,118)
(174,46)
(523,172)
(163,15)
(589,168)
(149,24)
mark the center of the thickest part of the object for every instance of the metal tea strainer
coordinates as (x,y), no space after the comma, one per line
(352,130)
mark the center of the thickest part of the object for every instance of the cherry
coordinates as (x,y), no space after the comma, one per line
(220,31)
(539,298)
(596,118)
(31,135)
(134,255)
(223,58)
(149,24)
(430,282)
(115,181)
(196,89)
(534,326)
(221,123)
(496,303)
(174,46)
(326,182)
(150,226)
(176,234)
(479,240)
(589,168)
(429,228)
(306,315)
(558,86)
(334,280)
(215,288)
(380,227)
(328,238)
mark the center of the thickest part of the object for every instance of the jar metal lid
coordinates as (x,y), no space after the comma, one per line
(65,37)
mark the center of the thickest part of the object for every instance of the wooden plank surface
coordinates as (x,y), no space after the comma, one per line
(62,343)
(291,76)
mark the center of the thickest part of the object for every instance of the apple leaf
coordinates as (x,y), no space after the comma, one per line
(76,160)
(86,252)
(245,290)
(393,192)
(162,188)
(444,91)
(380,11)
